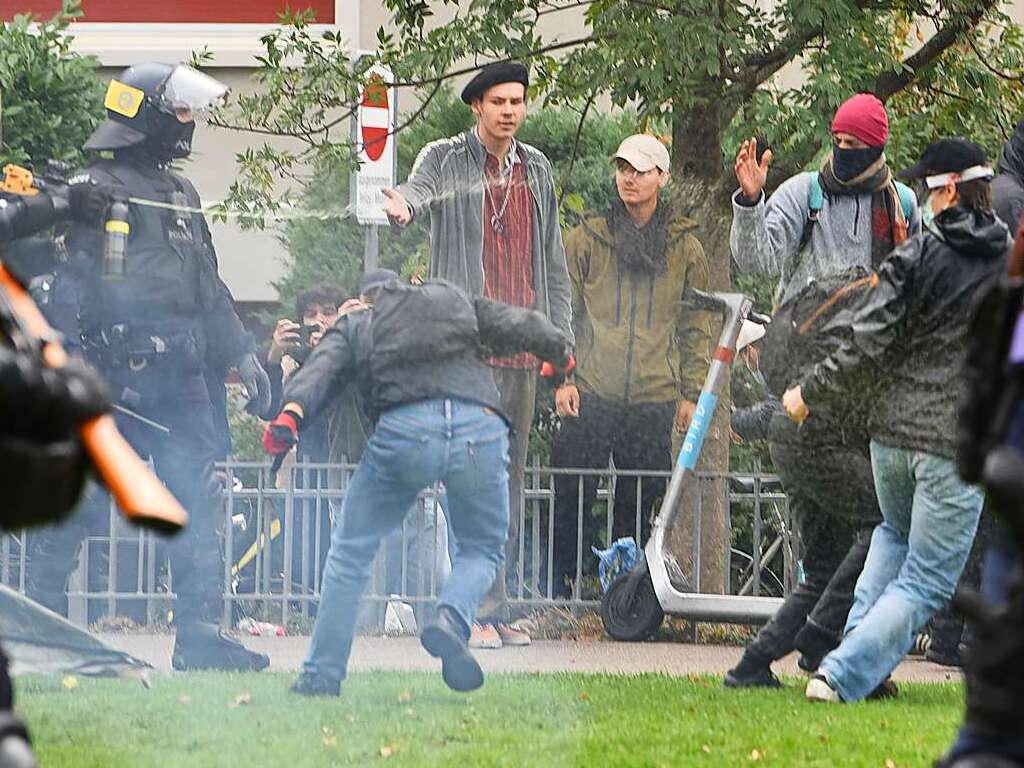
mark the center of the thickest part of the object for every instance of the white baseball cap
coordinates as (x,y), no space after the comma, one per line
(643,152)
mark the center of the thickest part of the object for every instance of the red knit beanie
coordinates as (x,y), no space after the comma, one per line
(863,116)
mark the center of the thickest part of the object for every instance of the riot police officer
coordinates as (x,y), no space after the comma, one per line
(155,332)
(42,463)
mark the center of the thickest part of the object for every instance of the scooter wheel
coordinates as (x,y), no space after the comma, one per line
(630,614)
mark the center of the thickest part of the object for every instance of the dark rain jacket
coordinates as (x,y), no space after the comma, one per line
(1008,186)
(421,343)
(910,331)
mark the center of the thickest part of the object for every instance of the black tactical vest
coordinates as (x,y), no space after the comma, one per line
(164,255)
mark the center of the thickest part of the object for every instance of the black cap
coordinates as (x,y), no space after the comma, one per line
(947,156)
(495,74)
(374,279)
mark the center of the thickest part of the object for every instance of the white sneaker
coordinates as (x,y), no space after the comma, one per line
(818,689)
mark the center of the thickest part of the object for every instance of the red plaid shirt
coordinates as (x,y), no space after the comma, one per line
(508,243)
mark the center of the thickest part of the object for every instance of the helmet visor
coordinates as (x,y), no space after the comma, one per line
(187,92)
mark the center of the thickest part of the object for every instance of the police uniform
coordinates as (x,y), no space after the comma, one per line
(42,463)
(154,332)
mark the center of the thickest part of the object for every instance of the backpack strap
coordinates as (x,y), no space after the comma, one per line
(907,200)
(815,201)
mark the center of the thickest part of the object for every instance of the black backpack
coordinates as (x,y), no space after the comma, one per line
(811,325)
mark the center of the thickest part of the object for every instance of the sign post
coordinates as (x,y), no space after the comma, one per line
(374,135)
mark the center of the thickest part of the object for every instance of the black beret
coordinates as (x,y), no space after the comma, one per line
(495,74)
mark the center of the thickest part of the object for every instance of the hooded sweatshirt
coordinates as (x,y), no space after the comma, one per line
(765,237)
(909,333)
(1008,186)
(636,341)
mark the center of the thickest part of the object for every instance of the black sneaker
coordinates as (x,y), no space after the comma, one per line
(445,638)
(761,677)
(809,664)
(944,656)
(887,689)
(205,646)
(312,684)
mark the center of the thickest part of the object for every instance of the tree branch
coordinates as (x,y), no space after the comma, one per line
(760,68)
(576,143)
(537,52)
(890,83)
(994,70)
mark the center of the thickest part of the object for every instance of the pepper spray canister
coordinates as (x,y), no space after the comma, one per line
(116,241)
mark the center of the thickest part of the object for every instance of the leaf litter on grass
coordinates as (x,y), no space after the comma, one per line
(529,719)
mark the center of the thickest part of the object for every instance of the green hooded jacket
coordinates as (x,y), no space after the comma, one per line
(635,341)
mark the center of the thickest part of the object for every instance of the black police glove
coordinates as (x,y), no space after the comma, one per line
(47,403)
(90,200)
(256,383)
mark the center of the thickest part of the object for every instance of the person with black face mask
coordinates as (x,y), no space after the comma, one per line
(848,214)
(154,331)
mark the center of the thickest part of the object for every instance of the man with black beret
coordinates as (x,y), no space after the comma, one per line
(494,232)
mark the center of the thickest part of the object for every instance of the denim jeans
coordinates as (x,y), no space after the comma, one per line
(415,446)
(917,554)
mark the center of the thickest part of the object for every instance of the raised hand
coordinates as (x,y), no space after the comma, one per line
(752,173)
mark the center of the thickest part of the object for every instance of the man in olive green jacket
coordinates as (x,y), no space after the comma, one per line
(641,355)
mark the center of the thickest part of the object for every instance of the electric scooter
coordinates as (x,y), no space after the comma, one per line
(635,604)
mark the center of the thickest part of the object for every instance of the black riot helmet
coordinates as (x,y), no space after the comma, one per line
(152,106)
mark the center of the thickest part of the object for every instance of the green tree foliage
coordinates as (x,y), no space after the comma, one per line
(51,99)
(706,68)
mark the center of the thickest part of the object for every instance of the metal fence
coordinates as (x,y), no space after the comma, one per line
(276,535)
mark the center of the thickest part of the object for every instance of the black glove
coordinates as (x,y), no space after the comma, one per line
(256,383)
(90,200)
(47,403)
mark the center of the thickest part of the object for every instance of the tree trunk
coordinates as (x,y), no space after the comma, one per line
(701,191)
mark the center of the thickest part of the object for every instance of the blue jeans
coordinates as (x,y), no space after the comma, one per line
(917,553)
(415,446)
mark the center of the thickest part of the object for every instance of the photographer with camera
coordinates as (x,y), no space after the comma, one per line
(317,310)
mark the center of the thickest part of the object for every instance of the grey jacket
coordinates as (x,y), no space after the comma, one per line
(447,181)
(765,236)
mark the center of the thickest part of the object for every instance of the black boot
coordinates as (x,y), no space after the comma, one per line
(198,645)
(814,643)
(446,638)
(753,671)
(15,745)
(312,684)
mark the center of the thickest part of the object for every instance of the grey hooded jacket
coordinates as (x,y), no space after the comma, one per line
(765,236)
(447,181)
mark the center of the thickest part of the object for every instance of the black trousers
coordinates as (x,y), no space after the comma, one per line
(827,476)
(183,460)
(637,437)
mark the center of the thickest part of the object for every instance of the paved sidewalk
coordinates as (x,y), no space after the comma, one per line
(405,653)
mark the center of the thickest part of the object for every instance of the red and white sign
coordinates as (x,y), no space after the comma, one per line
(375,136)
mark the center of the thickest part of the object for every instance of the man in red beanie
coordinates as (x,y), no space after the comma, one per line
(850,213)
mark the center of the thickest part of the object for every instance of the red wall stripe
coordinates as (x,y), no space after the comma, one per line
(174,11)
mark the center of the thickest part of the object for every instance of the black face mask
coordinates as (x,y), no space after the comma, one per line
(172,139)
(848,164)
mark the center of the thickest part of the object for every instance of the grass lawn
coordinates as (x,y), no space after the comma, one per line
(401,719)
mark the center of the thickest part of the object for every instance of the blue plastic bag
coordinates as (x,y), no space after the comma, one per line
(619,559)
